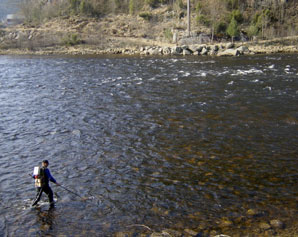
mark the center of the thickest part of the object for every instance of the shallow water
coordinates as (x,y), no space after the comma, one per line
(149,142)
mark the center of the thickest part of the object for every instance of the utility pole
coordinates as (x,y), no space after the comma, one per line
(188,18)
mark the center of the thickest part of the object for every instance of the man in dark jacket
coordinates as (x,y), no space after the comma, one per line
(43,183)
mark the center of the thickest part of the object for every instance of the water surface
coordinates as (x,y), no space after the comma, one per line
(180,143)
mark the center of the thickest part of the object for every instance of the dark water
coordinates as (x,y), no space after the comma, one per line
(180,143)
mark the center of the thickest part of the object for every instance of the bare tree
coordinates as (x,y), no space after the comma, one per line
(216,9)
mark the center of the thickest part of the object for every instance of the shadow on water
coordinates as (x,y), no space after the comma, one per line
(45,219)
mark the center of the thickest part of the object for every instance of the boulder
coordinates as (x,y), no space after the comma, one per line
(166,51)
(194,47)
(153,51)
(230,46)
(177,50)
(214,48)
(229,52)
(243,50)
(187,51)
(204,51)
(203,38)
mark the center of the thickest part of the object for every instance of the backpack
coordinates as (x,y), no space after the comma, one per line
(41,179)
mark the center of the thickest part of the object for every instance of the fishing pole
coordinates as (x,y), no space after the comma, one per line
(70,191)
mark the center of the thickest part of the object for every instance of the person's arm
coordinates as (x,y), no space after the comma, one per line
(50,177)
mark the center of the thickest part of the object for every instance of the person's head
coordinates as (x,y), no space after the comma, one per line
(45,163)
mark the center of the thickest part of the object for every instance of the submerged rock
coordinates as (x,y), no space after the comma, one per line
(253,213)
(190,232)
(171,232)
(225,223)
(264,226)
(277,224)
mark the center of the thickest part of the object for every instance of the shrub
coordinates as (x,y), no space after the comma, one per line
(220,27)
(152,3)
(168,34)
(131,7)
(74,5)
(232,29)
(253,30)
(232,4)
(86,8)
(236,14)
(72,40)
(202,19)
(146,15)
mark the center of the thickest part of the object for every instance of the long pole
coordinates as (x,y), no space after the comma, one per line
(188,18)
(70,191)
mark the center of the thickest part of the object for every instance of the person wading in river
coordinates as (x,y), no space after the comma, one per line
(42,176)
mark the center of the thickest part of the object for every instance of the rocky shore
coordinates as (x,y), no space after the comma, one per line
(216,49)
(219,50)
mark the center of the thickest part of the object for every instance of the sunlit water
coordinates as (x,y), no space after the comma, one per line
(149,142)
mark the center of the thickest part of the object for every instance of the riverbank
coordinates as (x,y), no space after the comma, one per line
(126,35)
(153,48)
(228,49)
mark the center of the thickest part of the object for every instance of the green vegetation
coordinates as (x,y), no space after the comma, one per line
(72,40)
(152,3)
(222,17)
(131,7)
(146,15)
(233,29)
(168,34)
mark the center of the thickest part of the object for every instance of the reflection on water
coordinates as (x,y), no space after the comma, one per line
(149,143)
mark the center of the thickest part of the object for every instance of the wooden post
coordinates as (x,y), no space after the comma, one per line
(188,18)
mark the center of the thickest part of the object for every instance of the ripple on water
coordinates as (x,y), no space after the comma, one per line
(154,141)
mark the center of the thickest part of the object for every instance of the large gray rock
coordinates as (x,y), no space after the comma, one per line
(166,51)
(177,50)
(204,51)
(229,52)
(154,51)
(243,50)
(230,46)
(187,51)
(203,38)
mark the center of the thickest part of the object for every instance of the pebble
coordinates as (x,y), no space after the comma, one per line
(264,226)
(172,233)
(157,234)
(225,223)
(190,232)
(277,224)
(253,213)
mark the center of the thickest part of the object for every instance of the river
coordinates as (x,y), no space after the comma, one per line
(150,143)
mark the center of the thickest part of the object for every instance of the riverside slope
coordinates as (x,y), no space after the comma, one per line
(124,34)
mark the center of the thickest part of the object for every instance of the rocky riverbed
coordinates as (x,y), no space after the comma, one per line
(223,228)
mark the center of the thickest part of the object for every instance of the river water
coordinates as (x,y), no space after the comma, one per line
(200,143)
